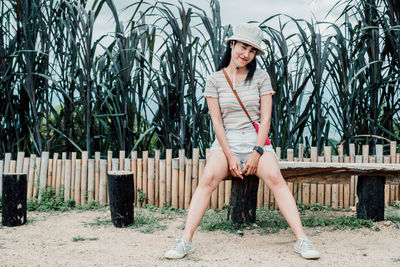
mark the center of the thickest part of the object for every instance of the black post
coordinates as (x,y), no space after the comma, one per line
(243,200)
(371,197)
(121,192)
(14,199)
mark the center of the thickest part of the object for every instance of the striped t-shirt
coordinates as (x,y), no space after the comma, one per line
(233,116)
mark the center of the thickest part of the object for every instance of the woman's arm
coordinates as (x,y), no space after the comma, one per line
(215,112)
(266,107)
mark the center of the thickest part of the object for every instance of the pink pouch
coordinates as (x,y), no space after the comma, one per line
(256,124)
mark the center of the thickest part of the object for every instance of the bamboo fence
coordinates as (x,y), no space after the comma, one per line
(172,181)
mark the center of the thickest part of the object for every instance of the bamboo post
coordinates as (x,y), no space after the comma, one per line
(49,174)
(36,177)
(127,165)
(188,183)
(328,187)
(25,168)
(103,182)
(317,190)
(67,183)
(195,169)
(278,153)
(335,188)
(58,177)
(114,165)
(31,175)
(266,196)
(214,199)
(162,183)
(260,194)
(91,187)
(181,197)
(96,175)
(1,175)
(341,186)
(84,177)
(77,192)
(54,180)
(7,159)
(393,152)
(145,175)
(228,188)
(63,160)
(43,173)
(20,162)
(168,172)
(109,168)
(175,182)
(73,160)
(139,181)
(150,181)
(352,181)
(346,188)
(301,152)
(134,171)
(290,154)
(388,190)
(221,195)
(157,178)
(121,160)
(13,164)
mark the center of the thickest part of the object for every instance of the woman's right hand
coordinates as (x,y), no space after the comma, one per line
(234,167)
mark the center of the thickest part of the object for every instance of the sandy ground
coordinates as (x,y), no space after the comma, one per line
(47,240)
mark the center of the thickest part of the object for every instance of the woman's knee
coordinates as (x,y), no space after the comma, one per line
(208,181)
(274,179)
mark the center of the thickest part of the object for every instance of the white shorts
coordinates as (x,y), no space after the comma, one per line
(241,143)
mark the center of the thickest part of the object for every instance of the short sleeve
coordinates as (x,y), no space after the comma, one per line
(211,88)
(265,85)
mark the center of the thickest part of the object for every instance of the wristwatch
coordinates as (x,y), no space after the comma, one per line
(259,150)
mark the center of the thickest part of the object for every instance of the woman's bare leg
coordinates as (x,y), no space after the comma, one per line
(216,170)
(268,170)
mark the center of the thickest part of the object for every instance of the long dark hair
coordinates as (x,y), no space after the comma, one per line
(226,59)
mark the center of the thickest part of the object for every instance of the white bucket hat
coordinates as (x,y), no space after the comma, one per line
(249,34)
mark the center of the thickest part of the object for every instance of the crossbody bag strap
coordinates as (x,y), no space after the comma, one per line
(236,94)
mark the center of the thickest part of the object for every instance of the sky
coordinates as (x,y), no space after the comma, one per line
(235,12)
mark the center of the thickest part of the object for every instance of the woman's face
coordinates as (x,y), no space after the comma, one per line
(242,54)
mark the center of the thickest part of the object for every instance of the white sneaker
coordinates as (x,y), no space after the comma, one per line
(181,248)
(306,249)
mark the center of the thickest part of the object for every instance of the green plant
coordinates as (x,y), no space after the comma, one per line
(50,202)
(79,238)
(146,222)
(99,222)
(141,197)
(216,220)
(395,204)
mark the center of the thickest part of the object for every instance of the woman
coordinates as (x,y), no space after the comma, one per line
(238,149)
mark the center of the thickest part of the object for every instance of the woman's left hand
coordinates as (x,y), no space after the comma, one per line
(250,168)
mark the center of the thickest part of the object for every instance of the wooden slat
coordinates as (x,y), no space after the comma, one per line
(134,171)
(49,174)
(91,179)
(31,175)
(78,173)
(58,177)
(84,177)
(393,152)
(73,160)
(195,169)
(63,160)
(168,172)
(188,183)
(43,173)
(20,162)
(175,183)
(157,178)
(139,180)
(7,159)
(54,180)
(150,181)
(145,175)
(181,197)
(103,182)
(121,160)
(260,194)
(67,182)
(97,175)
(162,183)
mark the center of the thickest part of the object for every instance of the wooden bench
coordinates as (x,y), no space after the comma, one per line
(370,186)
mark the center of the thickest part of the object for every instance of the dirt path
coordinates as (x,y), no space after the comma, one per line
(48,240)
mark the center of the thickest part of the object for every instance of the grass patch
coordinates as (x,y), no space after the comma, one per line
(146,222)
(51,202)
(341,223)
(217,220)
(99,222)
(395,204)
(79,238)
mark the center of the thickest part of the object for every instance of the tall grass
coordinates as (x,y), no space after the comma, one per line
(144,89)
